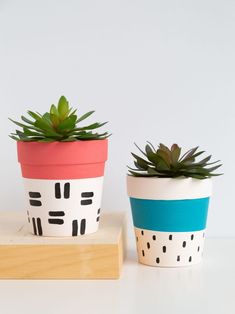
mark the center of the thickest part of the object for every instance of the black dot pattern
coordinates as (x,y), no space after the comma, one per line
(155,248)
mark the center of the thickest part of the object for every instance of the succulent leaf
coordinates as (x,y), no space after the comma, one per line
(167,162)
(63,107)
(85,116)
(175,153)
(59,124)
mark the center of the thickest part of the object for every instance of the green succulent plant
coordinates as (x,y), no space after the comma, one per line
(61,123)
(167,162)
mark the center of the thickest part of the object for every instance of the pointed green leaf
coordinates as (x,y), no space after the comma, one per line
(14,137)
(189,153)
(46,117)
(153,148)
(166,158)
(83,117)
(55,120)
(43,125)
(175,153)
(135,169)
(136,174)
(27,120)
(140,150)
(213,168)
(149,150)
(142,162)
(25,126)
(69,139)
(63,107)
(165,149)
(68,123)
(91,126)
(205,160)
(46,140)
(54,111)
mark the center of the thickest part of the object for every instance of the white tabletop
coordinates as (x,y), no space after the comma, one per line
(201,289)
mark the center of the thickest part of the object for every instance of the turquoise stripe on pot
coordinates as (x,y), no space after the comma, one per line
(170,215)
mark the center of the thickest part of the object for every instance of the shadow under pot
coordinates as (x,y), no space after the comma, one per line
(169,216)
(63,185)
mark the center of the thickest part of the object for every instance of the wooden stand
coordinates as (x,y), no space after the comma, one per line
(95,256)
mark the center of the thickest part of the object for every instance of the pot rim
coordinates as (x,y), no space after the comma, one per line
(181,178)
(181,188)
(62,153)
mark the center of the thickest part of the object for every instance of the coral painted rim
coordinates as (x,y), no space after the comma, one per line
(62,153)
(62,160)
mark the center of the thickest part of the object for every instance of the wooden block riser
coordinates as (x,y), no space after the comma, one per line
(97,256)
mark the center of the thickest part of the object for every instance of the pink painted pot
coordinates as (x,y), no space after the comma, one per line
(63,184)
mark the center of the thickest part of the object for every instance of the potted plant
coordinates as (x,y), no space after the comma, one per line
(62,165)
(169,195)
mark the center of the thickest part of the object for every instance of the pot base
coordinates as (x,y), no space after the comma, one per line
(169,249)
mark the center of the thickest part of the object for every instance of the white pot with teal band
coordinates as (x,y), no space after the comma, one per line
(169,216)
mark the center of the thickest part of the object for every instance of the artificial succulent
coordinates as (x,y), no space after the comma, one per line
(167,162)
(61,123)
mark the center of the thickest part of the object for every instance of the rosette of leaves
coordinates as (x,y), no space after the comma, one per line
(61,123)
(168,162)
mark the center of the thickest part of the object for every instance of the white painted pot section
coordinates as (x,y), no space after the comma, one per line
(63,207)
(167,188)
(168,248)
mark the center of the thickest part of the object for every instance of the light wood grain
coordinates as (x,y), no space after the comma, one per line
(95,256)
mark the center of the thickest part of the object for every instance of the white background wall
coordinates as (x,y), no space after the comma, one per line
(157,70)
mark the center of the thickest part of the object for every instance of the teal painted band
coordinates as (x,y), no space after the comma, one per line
(170,215)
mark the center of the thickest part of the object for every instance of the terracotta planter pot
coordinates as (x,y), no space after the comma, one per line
(169,217)
(63,184)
